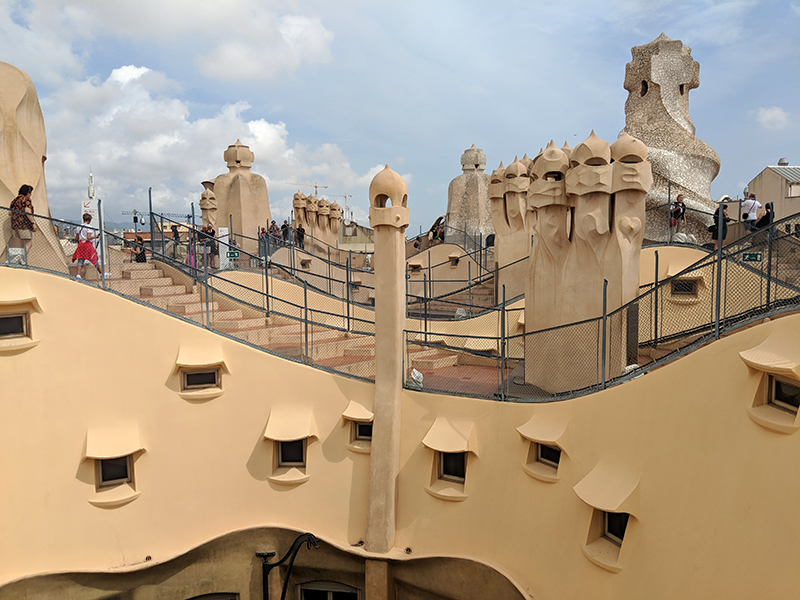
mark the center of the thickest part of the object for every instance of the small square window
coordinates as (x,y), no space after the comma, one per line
(614,525)
(362,431)
(548,455)
(453,466)
(291,454)
(198,380)
(113,471)
(783,395)
(14,325)
(684,287)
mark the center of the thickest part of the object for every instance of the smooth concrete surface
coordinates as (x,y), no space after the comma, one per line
(684,430)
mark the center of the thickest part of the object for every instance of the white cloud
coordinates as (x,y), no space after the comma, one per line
(135,136)
(245,40)
(278,47)
(773,117)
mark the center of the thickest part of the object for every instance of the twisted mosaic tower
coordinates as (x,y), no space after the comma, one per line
(658,80)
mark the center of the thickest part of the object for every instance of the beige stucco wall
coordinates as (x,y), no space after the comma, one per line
(716,492)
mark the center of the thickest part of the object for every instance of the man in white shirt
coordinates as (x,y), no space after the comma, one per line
(750,208)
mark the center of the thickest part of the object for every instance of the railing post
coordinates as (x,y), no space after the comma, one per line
(293,261)
(430,274)
(347,290)
(469,285)
(101,225)
(605,323)
(425,303)
(720,223)
(266,281)
(655,304)
(205,271)
(193,247)
(669,211)
(152,228)
(769,265)
(305,318)
(407,278)
(161,234)
(329,270)
(503,347)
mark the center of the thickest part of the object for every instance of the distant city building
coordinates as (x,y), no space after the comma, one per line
(780,185)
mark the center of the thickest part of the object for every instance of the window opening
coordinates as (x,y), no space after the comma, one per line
(292,454)
(12,326)
(684,287)
(453,466)
(362,431)
(114,471)
(196,380)
(784,395)
(328,590)
(548,455)
(644,88)
(614,525)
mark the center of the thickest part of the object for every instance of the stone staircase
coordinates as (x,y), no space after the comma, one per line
(341,351)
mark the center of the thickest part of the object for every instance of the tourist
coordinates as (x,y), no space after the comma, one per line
(21,224)
(300,235)
(275,233)
(766,217)
(204,244)
(263,241)
(715,227)
(138,253)
(285,231)
(214,247)
(85,250)
(678,215)
(176,236)
(750,212)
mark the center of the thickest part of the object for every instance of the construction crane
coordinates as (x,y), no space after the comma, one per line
(315,185)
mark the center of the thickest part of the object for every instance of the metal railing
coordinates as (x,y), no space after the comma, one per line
(753,277)
(240,295)
(228,291)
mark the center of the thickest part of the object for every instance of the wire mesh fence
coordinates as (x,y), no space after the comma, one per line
(754,276)
(325,317)
(213,283)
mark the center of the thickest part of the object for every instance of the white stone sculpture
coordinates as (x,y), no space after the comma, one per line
(468,206)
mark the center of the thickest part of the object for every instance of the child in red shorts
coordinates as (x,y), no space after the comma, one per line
(85,250)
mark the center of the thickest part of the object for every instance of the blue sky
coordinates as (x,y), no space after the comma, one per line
(150,93)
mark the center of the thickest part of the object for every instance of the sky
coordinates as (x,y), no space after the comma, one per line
(150,93)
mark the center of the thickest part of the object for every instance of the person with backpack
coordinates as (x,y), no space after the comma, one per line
(21,224)
(750,210)
(677,215)
(86,250)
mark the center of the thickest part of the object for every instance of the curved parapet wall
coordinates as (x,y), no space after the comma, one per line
(658,81)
